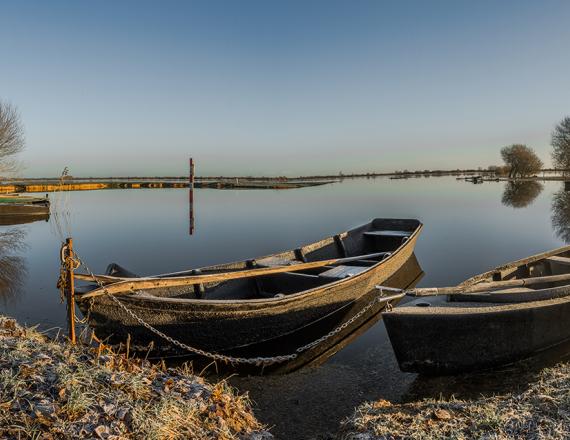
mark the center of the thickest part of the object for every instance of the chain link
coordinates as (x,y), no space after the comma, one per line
(231,359)
(342,326)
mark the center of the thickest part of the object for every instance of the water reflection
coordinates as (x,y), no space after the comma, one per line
(521,194)
(510,378)
(12,267)
(20,219)
(561,215)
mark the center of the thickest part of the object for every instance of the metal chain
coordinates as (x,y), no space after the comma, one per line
(342,326)
(221,357)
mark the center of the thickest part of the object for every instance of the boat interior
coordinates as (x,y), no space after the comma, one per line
(557,263)
(359,249)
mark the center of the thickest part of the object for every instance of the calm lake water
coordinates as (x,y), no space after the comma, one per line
(468,229)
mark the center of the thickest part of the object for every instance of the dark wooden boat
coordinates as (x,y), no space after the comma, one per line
(16,205)
(476,330)
(254,316)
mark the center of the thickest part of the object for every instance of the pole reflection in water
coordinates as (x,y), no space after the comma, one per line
(191,196)
(521,194)
(13,269)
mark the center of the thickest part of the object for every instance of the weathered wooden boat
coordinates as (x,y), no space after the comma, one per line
(16,205)
(493,319)
(228,311)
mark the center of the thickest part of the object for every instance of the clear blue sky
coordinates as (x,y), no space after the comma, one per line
(267,87)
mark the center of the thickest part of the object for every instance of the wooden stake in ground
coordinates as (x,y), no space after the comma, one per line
(68,261)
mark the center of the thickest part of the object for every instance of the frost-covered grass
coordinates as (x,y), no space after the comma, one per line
(51,390)
(540,412)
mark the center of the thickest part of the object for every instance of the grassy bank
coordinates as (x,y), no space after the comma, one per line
(540,412)
(50,390)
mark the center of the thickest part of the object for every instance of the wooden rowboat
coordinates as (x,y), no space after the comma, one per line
(248,315)
(477,328)
(16,205)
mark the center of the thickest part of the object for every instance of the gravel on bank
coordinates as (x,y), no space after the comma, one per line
(50,390)
(540,412)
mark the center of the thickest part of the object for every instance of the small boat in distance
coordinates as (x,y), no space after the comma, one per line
(270,314)
(493,319)
(17,205)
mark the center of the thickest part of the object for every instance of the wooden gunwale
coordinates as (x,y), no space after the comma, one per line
(273,301)
(513,265)
(470,299)
(245,325)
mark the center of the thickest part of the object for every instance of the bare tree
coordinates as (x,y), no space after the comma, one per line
(521,160)
(561,144)
(11,137)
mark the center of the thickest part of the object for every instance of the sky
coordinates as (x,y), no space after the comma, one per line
(282,88)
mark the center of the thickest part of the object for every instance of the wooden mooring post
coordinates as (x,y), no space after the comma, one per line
(70,288)
(191,196)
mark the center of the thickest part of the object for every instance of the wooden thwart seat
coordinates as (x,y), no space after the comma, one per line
(340,272)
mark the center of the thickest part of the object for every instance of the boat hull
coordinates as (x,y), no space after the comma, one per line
(451,340)
(476,331)
(249,328)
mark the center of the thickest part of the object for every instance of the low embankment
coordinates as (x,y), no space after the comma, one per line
(52,390)
(53,185)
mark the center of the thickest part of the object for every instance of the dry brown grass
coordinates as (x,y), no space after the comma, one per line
(50,390)
(541,412)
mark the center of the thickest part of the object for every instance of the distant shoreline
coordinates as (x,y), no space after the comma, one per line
(69,183)
(91,184)
(437,173)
